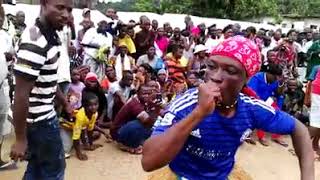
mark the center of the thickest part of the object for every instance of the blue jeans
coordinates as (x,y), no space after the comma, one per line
(133,134)
(45,153)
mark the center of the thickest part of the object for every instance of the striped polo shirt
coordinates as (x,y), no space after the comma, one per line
(176,69)
(209,152)
(38,61)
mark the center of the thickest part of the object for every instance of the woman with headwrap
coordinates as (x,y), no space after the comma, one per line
(203,129)
(285,56)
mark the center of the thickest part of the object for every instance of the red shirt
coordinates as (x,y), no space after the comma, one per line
(105,84)
(316,84)
(127,113)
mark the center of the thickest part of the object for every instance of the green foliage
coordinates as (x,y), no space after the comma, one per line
(233,9)
(163,6)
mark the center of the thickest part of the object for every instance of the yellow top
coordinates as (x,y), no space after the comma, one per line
(183,61)
(81,122)
(129,43)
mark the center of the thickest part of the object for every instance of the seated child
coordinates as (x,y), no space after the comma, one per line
(81,128)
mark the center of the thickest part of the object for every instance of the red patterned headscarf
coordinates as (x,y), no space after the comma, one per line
(243,50)
(285,54)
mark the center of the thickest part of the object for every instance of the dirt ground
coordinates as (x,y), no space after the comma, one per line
(109,163)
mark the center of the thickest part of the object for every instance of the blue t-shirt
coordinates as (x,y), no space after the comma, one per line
(209,152)
(259,84)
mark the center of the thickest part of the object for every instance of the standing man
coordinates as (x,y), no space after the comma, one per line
(36,125)
(5,57)
(145,38)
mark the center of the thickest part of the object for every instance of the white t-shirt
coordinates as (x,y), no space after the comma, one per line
(6,46)
(4,68)
(6,42)
(307,46)
(297,47)
(115,87)
(92,37)
(212,43)
(64,60)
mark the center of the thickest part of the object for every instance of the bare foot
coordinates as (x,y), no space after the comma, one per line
(264,142)
(250,141)
(292,151)
(279,141)
(7,165)
(136,151)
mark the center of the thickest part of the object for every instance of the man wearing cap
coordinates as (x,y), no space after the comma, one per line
(203,129)
(97,43)
(198,61)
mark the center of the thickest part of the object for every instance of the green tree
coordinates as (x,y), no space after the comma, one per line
(164,6)
(299,7)
(233,9)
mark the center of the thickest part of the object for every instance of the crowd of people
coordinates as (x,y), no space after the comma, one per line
(131,81)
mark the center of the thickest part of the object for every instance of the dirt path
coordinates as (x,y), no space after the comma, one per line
(108,163)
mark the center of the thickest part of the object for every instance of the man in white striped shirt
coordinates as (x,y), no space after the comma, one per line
(36,125)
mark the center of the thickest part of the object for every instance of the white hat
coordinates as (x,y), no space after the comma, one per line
(200,48)
(85,11)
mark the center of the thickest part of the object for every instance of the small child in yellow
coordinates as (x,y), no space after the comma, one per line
(81,130)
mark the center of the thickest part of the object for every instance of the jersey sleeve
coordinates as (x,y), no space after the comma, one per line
(271,120)
(77,128)
(31,56)
(92,122)
(179,109)
(253,83)
(162,124)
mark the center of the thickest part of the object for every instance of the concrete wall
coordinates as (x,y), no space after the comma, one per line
(288,23)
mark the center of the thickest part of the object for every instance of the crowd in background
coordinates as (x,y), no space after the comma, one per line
(121,76)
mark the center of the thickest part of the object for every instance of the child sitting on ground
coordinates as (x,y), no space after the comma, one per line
(79,132)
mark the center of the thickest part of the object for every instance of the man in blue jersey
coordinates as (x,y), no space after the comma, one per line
(269,86)
(202,130)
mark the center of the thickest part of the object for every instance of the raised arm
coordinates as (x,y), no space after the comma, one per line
(169,144)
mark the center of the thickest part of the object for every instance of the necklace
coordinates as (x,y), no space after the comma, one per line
(228,106)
